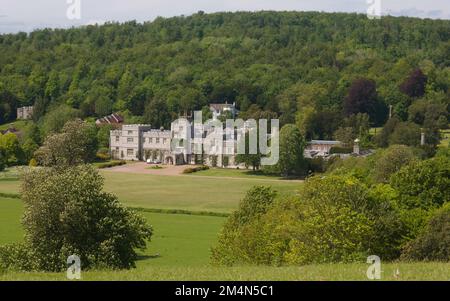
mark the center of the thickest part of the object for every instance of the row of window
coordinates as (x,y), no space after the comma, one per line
(150,140)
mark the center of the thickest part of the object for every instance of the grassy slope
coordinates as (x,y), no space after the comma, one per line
(194,193)
(179,240)
(183,243)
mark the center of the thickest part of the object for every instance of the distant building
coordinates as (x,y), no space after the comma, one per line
(114,119)
(11,130)
(218,109)
(140,142)
(320,148)
(25,112)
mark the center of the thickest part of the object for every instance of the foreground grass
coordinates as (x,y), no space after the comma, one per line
(323,272)
(178,240)
(180,250)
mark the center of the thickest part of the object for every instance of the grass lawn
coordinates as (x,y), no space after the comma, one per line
(193,193)
(183,243)
(18,124)
(179,240)
(445,138)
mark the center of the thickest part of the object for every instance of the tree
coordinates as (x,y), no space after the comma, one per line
(382,138)
(57,118)
(433,243)
(292,144)
(392,160)
(423,184)
(76,144)
(10,147)
(157,114)
(406,133)
(8,105)
(345,135)
(229,249)
(414,85)
(363,98)
(253,160)
(66,213)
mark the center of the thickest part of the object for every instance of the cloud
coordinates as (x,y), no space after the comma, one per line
(414,12)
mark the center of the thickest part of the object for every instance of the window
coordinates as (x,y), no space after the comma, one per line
(130,140)
(130,152)
(164,140)
(150,140)
(157,140)
(117,138)
(130,132)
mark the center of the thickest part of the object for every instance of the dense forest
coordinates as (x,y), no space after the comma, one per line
(303,67)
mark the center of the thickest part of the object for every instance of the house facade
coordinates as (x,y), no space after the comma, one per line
(320,148)
(25,112)
(177,146)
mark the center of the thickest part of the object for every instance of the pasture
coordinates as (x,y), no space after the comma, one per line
(180,247)
(186,192)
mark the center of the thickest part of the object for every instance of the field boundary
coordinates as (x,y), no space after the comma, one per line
(149,210)
(180,211)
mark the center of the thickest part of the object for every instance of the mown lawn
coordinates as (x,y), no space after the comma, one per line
(180,250)
(445,141)
(179,239)
(193,193)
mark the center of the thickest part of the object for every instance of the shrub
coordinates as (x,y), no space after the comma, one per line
(341,150)
(195,169)
(67,213)
(102,156)
(335,219)
(433,244)
(230,248)
(110,164)
(390,161)
(423,184)
(33,163)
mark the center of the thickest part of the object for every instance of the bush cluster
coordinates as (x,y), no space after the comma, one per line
(195,169)
(110,164)
(400,209)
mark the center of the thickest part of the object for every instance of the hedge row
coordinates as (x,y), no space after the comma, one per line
(110,164)
(195,169)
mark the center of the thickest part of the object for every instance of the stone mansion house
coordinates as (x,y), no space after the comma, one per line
(141,142)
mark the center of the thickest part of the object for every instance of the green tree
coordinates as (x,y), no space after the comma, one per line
(66,213)
(9,144)
(392,160)
(292,144)
(77,143)
(157,114)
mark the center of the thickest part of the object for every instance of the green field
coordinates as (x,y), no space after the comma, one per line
(186,192)
(180,246)
(445,138)
(180,251)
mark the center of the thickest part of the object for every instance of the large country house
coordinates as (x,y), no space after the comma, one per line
(141,142)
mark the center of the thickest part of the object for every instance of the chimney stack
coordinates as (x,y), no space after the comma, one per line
(422,138)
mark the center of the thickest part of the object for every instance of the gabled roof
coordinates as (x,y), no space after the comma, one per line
(324,142)
(110,119)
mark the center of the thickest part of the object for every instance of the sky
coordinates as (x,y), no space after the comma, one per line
(26,15)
